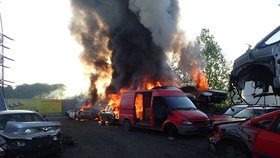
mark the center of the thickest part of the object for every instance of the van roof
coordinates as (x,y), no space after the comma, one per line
(160,92)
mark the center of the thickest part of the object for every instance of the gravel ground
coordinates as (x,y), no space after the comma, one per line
(94,140)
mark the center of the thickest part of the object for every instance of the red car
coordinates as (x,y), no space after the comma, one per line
(258,137)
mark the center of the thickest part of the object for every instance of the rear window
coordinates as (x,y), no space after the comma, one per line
(233,110)
(250,113)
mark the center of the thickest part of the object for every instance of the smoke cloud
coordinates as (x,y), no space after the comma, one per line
(125,42)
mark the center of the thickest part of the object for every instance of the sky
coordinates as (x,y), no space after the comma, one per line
(45,52)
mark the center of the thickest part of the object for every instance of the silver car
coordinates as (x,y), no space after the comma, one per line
(25,133)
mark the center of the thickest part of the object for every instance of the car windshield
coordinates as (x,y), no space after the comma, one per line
(179,103)
(250,113)
(21,117)
(233,110)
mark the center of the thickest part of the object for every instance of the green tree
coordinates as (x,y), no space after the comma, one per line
(9,92)
(217,67)
(37,90)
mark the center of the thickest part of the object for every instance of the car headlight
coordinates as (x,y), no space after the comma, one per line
(29,131)
(187,122)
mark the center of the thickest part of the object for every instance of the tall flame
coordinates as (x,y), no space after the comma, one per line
(139,106)
(151,85)
(200,79)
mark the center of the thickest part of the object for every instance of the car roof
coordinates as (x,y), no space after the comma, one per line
(16,112)
(239,105)
(263,107)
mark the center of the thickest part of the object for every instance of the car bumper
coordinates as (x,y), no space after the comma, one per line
(189,130)
(35,148)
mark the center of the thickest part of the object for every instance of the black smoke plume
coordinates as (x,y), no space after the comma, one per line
(125,40)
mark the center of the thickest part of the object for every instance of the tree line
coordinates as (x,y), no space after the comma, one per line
(36,90)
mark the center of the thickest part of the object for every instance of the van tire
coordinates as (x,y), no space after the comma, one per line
(172,131)
(127,125)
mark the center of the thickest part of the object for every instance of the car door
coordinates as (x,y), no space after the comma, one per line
(267,142)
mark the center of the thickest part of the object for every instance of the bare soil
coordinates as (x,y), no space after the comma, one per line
(94,140)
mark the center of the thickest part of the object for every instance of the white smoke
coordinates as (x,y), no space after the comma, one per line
(160,17)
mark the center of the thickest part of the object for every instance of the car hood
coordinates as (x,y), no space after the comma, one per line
(29,130)
(190,114)
(229,120)
(219,117)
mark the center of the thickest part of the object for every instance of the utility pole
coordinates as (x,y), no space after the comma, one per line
(2,57)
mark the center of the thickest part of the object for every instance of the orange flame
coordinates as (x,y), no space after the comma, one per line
(139,106)
(115,100)
(86,106)
(151,85)
(200,80)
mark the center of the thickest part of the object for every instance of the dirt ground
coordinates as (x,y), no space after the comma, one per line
(94,140)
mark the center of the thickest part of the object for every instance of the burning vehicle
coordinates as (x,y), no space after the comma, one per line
(260,64)
(205,96)
(162,109)
(26,134)
(257,137)
(107,116)
(127,49)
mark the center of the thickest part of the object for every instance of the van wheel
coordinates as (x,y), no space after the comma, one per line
(172,131)
(127,125)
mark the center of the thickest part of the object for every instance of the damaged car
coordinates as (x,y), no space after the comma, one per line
(257,137)
(25,133)
(260,64)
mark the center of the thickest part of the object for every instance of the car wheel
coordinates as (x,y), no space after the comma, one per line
(127,125)
(231,150)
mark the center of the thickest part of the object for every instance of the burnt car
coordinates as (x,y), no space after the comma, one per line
(257,137)
(204,97)
(108,115)
(82,113)
(260,64)
(25,133)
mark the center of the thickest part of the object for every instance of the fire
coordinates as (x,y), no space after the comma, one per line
(200,80)
(139,106)
(115,100)
(86,106)
(151,85)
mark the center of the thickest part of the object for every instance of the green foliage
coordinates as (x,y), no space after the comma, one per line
(37,90)
(217,67)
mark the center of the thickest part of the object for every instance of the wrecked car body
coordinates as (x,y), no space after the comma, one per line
(26,134)
(260,65)
(257,137)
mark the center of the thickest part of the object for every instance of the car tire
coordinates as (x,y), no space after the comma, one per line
(127,125)
(231,150)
